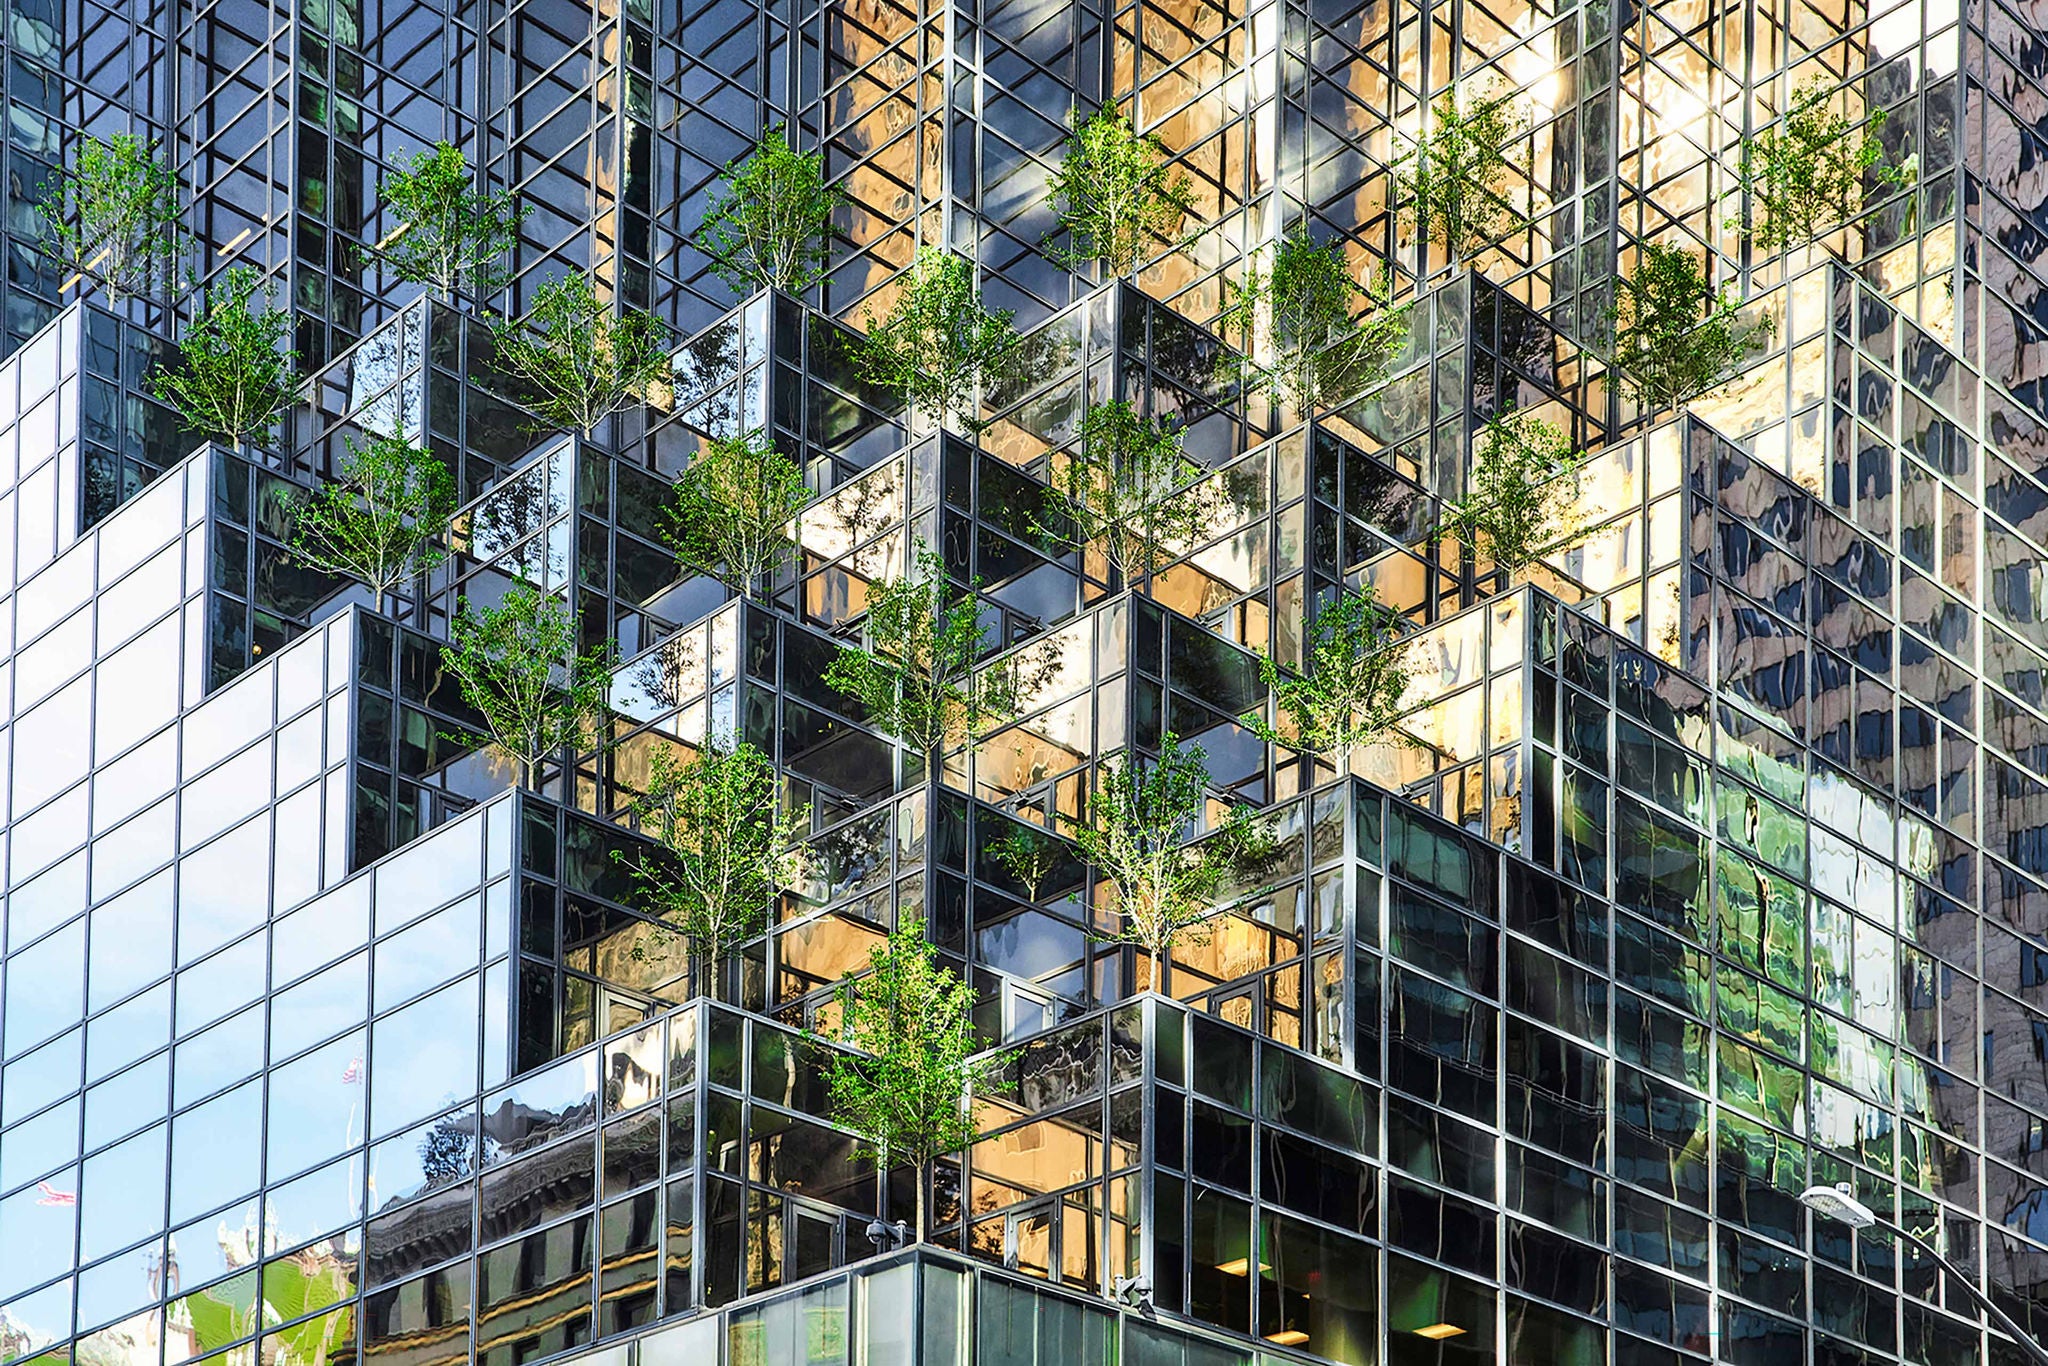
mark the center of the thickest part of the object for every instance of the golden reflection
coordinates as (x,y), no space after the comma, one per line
(827,947)
(853,513)
(1037,1157)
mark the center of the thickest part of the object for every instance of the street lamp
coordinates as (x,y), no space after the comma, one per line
(1839,1204)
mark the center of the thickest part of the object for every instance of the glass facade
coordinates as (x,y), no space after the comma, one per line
(1707,862)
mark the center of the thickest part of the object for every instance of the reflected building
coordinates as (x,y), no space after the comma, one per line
(1708,861)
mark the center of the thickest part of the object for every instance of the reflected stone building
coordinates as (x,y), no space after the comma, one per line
(1710,862)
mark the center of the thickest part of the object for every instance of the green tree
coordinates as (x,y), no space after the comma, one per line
(1029,853)
(1130,488)
(1115,194)
(732,510)
(1458,179)
(724,851)
(1806,177)
(234,377)
(113,216)
(916,676)
(1351,693)
(579,360)
(382,520)
(1675,336)
(769,224)
(1301,309)
(1523,468)
(937,345)
(1130,830)
(507,660)
(907,1094)
(450,230)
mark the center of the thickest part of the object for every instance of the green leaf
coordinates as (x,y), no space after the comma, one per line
(518,665)
(732,511)
(1351,694)
(113,216)
(1300,310)
(234,377)
(1116,196)
(937,345)
(723,854)
(1809,175)
(1457,182)
(382,521)
(769,224)
(917,677)
(1675,336)
(1130,490)
(579,360)
(450,231)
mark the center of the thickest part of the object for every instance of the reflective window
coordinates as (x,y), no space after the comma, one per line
(224,982)
(426,1056)
(224,889)
(216,1151)
(40,1145)
(319,1007)
(427,953)
(120,1198)
(39,1230)
(223,1055)
(140,681)
(50,746)
(316,1106)
(45,988)
(125,1102)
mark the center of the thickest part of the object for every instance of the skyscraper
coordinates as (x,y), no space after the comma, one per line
(1652,846)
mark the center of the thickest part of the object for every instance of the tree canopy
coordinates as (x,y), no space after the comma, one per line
(1350,692)
(451,230)
(578,359)
(733,509)
(518,665)
(1807,176)
(724,852)
(1131,831)
(1457,182)
(112,217)
(937,344)
(1525,475)
(1300,307)
(769,223)
(382,521)
(1116,195)
(1129,489)
(234,376)
(919,676)
(1675,335)
(905,1093)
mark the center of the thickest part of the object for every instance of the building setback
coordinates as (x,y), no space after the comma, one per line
(1706,862)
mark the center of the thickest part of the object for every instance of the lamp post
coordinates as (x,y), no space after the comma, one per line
(1839,1203)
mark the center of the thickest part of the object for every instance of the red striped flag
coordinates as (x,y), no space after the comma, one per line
(48,1194)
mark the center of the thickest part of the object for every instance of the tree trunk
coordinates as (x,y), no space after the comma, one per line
(919,1170)
(708,967)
